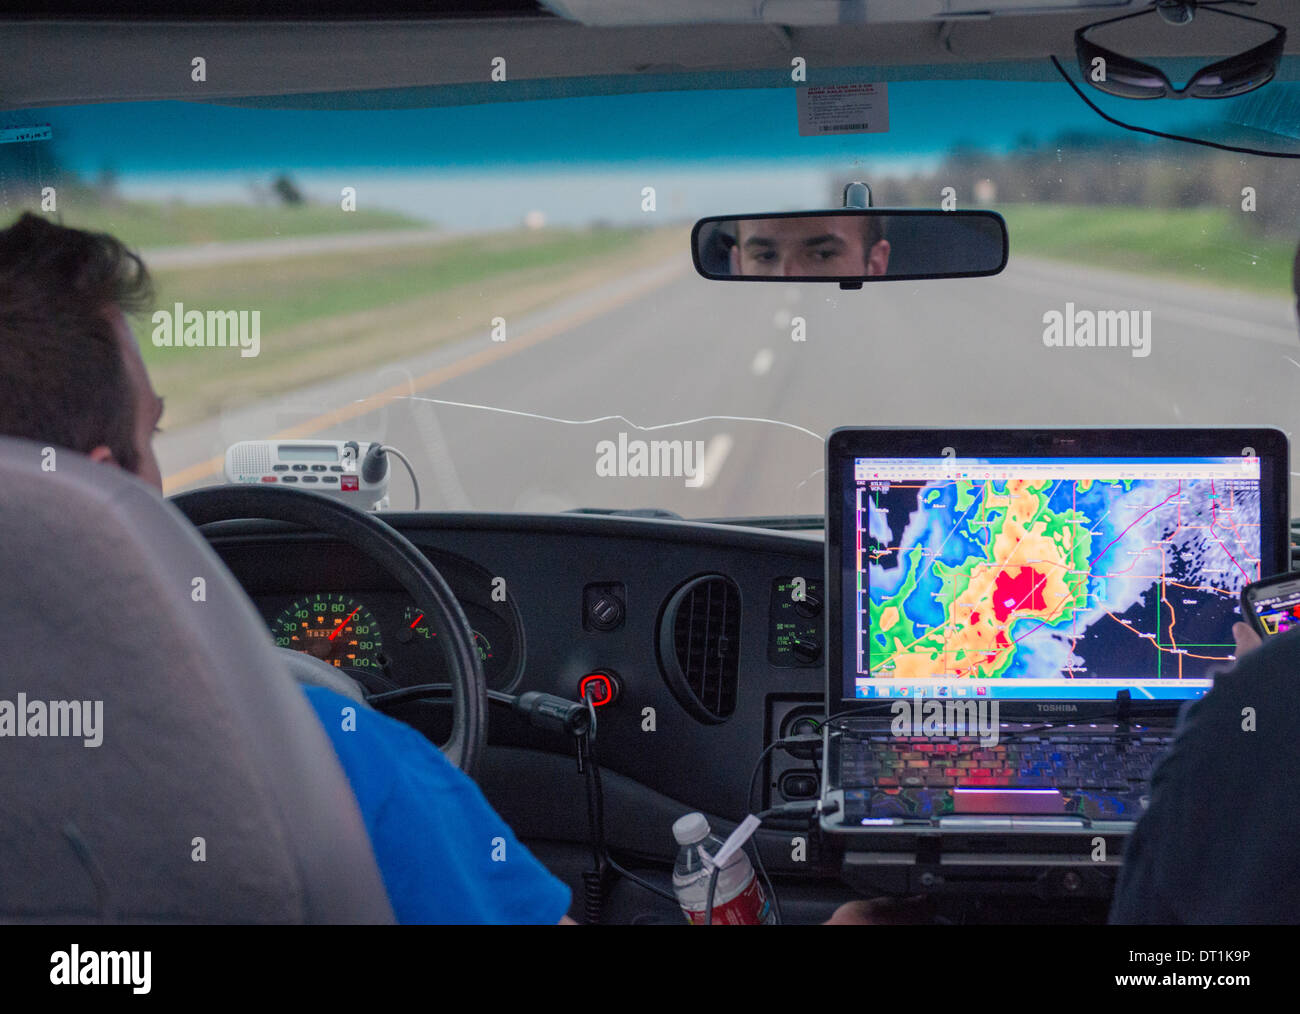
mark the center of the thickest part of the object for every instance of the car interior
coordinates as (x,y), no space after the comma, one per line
(621,474)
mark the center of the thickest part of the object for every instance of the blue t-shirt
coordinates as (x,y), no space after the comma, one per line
(445,855)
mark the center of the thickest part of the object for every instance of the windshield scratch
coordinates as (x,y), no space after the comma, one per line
(605,418)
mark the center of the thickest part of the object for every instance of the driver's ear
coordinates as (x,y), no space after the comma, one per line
(104,454)
(878,261)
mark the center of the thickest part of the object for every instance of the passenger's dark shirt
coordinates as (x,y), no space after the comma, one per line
(1220,841)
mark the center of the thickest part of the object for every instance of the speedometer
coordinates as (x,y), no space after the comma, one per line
(332,627)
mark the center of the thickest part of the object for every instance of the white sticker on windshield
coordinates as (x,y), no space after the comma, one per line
(843,109)
(16,135)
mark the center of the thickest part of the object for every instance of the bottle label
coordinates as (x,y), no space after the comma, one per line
(748,908)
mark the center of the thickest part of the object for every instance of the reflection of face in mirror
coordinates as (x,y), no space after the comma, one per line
(825,245)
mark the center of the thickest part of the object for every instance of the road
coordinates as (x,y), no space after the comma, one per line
(663,348)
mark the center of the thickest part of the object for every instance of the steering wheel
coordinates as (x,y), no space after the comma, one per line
(399,558)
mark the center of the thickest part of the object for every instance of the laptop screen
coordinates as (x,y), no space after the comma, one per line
(1068,575)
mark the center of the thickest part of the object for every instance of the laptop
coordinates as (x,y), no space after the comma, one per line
(1015,617)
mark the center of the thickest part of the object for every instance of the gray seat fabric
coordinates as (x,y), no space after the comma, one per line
(204,734)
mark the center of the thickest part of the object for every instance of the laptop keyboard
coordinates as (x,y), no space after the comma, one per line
(1043,760)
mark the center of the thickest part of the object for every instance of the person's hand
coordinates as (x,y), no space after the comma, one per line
(883,912)
(1246,638)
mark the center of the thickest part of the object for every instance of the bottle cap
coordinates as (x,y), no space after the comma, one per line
(691,828)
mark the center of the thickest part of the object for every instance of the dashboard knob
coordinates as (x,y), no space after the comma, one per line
(805,648)
(809,606)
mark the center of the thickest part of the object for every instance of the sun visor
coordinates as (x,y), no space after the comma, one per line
(617,13)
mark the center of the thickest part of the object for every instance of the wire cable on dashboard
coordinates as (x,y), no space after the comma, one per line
(415,483)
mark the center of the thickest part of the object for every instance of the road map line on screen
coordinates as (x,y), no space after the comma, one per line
(1052,568)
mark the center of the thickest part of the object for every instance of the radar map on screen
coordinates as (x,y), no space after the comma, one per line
(1023,570)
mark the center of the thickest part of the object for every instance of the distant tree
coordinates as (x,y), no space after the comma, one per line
(106,185)
(1095,168)
(285,189)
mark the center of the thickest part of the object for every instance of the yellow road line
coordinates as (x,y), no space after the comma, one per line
(484,357)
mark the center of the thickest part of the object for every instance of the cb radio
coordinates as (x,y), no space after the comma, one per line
(355,472)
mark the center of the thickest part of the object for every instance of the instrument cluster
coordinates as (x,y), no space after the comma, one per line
(385,638)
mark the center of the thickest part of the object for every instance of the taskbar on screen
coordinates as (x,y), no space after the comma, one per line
(1079,690)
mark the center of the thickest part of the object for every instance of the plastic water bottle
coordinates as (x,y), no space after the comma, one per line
(738,899)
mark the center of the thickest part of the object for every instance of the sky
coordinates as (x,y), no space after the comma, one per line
(576,159)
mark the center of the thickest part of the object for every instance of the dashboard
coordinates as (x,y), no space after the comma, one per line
(710,656)
(688,621)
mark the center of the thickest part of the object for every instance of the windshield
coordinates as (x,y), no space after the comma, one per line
(504,291)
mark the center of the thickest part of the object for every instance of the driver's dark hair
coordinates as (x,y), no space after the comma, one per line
(63,379)
(1295,277)
(873,231)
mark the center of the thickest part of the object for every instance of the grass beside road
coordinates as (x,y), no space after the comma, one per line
(297,290)
(1211,246)
(141,224)
(323,316)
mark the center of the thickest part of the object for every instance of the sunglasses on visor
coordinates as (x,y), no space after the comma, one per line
(1132,79)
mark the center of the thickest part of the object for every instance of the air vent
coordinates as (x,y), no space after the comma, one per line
(699,646)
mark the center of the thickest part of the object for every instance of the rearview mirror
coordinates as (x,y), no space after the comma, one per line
(850,245)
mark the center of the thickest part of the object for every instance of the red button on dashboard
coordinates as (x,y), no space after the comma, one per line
(601,687)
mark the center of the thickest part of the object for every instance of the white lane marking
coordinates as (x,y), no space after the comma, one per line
(762,362)
(715,454)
